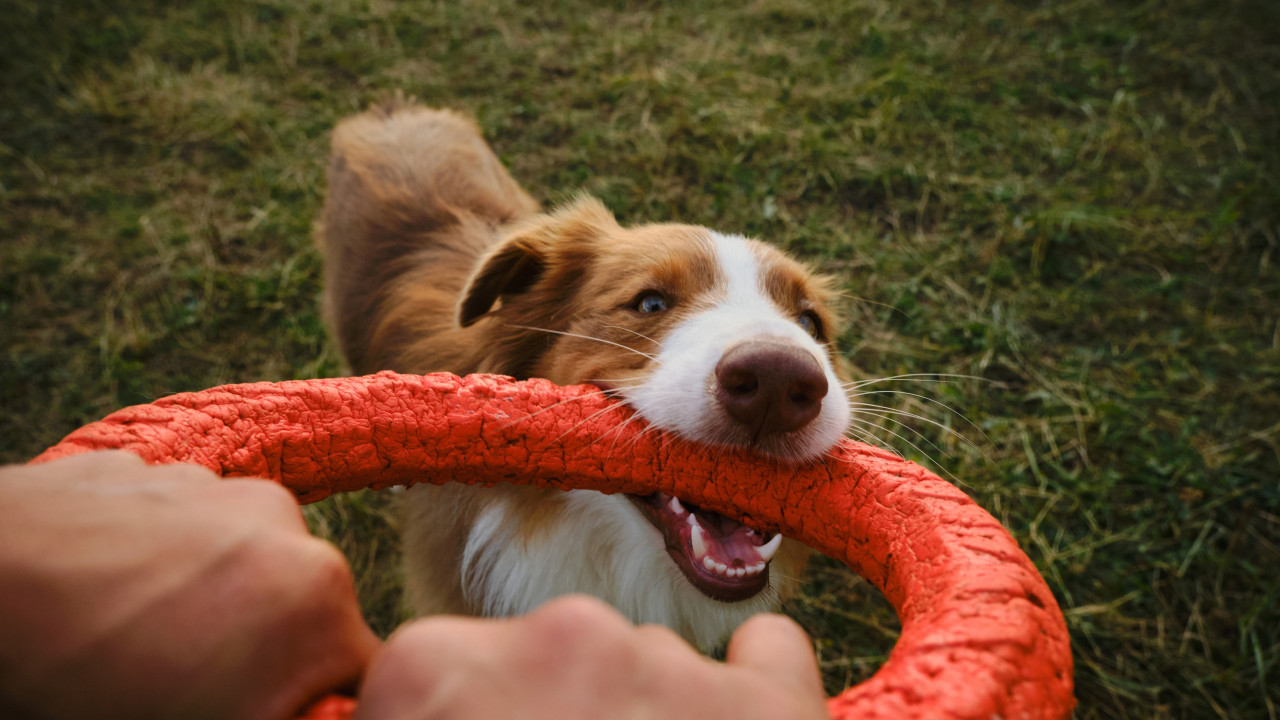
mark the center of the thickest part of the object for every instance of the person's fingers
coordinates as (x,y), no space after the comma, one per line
(567,652)
(320,642)
(337,608)
(577,658)
(777,647)
(423,665)
(206,597)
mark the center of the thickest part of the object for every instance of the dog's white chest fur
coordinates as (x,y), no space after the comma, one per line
(608,551)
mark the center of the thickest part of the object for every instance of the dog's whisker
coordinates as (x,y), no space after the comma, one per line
(584,337)
(928,399)
(615,428)
(640,435)
(782,576)
(555,405)
(862,436)
(719,451)
(633,332)
(616,387)
(904,426)
(616,431)
(618,427)
(584,421)
(866,424)
(858,298)
(629,381)
(915,447)
(885,412)
(912,377)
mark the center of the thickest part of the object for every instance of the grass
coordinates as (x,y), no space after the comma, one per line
(1076,202)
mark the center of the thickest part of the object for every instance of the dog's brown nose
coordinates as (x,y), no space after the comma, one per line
(770,387)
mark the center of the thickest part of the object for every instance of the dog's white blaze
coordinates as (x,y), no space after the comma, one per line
(745,291)
(679,394)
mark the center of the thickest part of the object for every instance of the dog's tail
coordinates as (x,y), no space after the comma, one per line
(415,195)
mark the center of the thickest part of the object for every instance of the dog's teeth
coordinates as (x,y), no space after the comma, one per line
(692,520)
(708,563)
(675,506)
(721,568)
(737,572)
(768,549)
(699,544)
(758,567)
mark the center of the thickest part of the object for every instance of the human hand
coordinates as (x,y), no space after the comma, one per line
(575,657)
(161,592)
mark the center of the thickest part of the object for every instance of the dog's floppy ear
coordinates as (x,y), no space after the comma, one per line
(508,269)
(521,259)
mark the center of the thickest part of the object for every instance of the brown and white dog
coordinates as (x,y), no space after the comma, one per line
(436,260)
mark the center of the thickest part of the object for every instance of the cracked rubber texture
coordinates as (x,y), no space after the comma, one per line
(982,635)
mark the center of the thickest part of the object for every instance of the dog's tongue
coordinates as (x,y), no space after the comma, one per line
(721,557)
(726,540)
(720,545)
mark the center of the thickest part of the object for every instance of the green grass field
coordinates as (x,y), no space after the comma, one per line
(1077,203)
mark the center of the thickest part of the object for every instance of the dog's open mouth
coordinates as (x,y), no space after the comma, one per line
(723,558)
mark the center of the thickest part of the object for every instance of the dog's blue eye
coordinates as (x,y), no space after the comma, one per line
(651,302)
(811,324)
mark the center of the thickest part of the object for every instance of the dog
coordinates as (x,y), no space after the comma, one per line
(437,260)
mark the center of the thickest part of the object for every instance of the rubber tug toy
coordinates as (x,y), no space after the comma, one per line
(982,636)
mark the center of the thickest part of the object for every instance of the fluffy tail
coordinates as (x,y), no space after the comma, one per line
(415,197)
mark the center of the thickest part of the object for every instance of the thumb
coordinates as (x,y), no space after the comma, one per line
(777,647)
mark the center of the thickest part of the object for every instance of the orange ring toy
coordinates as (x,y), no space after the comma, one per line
(982,636)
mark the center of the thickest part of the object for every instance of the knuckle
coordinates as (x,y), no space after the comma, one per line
(574,620)
(775,630)
(412,638)
(430,645)
(117,465)
(662,636)
(183,472)
(419,660)
(667,657)
(264,497)
(325,567)
(114,458)
(578,610)
(589,636)
(296,569)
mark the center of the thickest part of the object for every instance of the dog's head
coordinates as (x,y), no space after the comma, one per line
(716,338)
